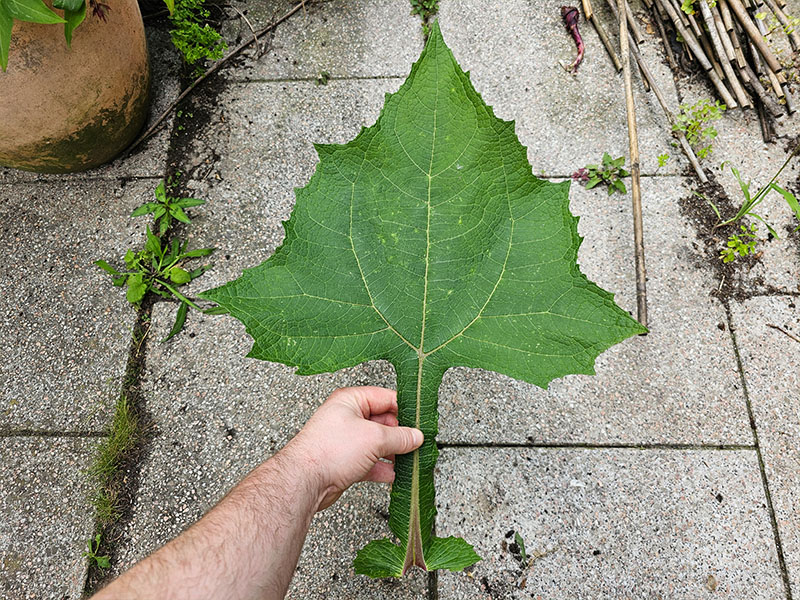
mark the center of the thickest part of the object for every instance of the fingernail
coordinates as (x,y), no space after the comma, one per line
(418,437)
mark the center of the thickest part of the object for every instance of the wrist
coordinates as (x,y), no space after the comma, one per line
(307,467)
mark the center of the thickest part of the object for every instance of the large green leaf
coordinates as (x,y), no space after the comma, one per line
(428,242)
(6,24)
(34,11)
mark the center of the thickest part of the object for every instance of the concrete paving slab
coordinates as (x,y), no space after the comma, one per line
(345,38)
(769,359)
(218,414)
(265,141)
(678,384)
(608,524)
(45,518)
(64,327)
(566,121)
(148,160)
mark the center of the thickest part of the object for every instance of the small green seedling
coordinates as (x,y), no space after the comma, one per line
(610,172)
(159,269)
(694,122)
(426,9)
(166,208)
(744,243)
(662,159)
(521,543)
(687,6)
(740,244)
(104,562)
(322,78)
(750,201)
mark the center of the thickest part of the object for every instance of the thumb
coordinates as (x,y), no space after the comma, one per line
(400,440)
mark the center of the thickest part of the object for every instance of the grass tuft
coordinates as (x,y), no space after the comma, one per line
(110,453)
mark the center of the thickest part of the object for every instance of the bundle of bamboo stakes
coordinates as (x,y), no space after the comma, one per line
(730,40)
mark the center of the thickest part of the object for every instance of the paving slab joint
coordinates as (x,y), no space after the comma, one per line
(597,446)
(43,433)
(317,79)
(433,585)
(124,482)
(764,480)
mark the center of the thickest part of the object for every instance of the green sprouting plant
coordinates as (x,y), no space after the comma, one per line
(193,36)
(180,115)
(662,159)
(521,544)
(694,122)
(322,78)
(610,172)
(400,282)
(425,9)
(108,457)
(740,244)
(159,269)
(166,208)
(93,545)
(751,201)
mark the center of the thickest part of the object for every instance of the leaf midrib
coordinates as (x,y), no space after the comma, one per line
(429,174)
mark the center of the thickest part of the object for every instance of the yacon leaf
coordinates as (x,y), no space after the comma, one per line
(428,242)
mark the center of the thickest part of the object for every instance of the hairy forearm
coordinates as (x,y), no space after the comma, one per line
(246,547)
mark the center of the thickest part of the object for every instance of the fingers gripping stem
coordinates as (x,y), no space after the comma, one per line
(412,510)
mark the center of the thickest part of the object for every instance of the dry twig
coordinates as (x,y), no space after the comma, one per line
(783,331)
(249,26)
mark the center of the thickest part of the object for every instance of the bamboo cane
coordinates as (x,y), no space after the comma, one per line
(697,50)
(634,25)
(613,7)
(726,15)
(794,37)
(733,80)
(723,34)
(633,144)
(764,96)
(598,26)
(752,32)
(684,143)
(673,64)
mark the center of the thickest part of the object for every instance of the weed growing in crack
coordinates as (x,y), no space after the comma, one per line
(694,122)
(610,173)
(94,546)
(109,455)
(426,9)
(166,208)
(740,244)
(161,267)
(751,201)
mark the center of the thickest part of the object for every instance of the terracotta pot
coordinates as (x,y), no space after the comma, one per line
(70,109)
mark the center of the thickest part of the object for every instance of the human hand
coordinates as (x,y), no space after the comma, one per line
(344,440)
